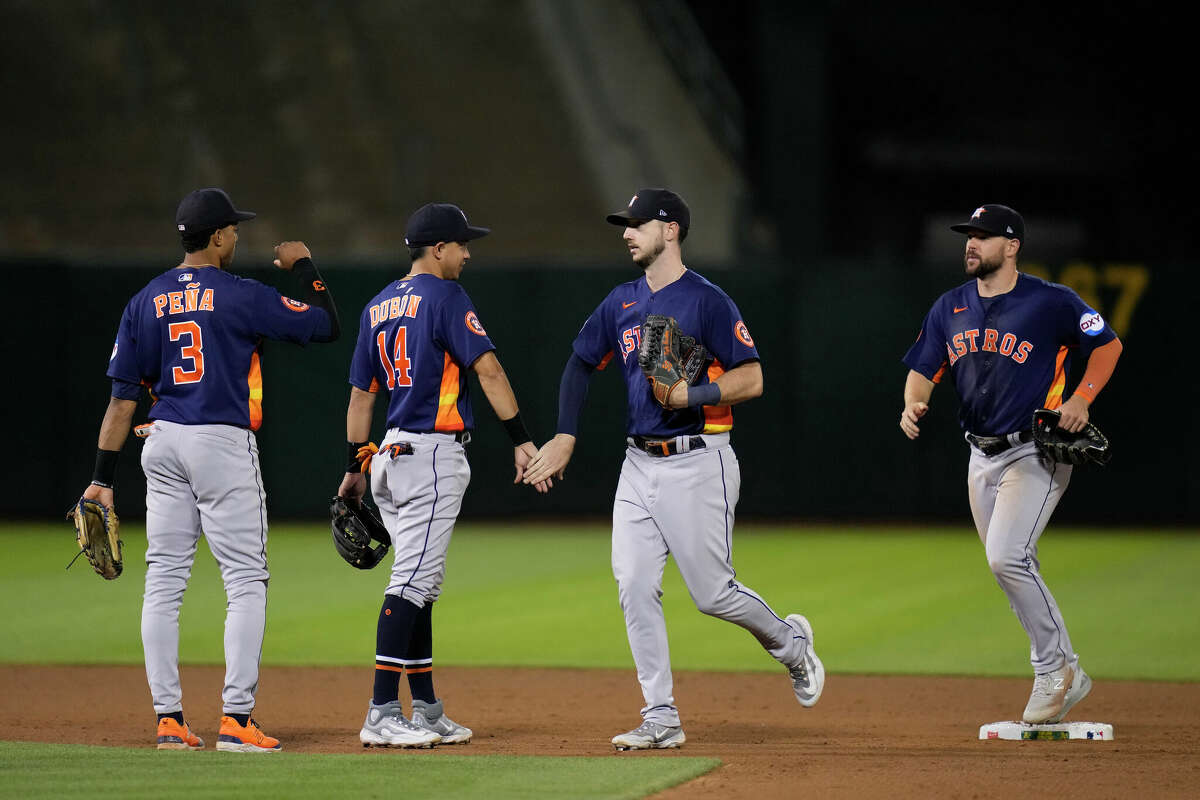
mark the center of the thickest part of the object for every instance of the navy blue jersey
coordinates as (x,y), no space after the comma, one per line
(416,339)
(1009,354)
(193,336)
(703,311)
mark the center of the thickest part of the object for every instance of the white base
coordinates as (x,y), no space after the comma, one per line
(1018,731)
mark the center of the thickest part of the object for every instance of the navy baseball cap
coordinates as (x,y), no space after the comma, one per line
(440,222)
(994,219)
(660,204)
(207,210)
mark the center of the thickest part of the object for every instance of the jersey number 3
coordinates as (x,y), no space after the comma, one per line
(396,366)
(192,351)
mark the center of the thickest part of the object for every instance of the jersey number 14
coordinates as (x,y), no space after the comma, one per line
(397,365)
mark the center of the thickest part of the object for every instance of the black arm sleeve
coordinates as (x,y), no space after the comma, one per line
(572,394)
(314,292)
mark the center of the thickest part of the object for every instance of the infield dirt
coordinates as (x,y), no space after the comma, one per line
(868,737)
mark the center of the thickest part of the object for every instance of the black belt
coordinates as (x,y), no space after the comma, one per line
(462,437)
(995,445)
(664,447)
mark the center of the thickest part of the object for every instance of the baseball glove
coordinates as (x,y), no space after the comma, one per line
(668,357)
(96,531)
(355,529)
(1089,445)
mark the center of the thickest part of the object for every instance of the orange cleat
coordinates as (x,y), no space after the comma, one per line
(249,739)
(173,736)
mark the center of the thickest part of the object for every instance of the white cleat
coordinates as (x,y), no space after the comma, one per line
(1080,687)
(808,677)
(650,736)
(1048,699)
(386,726)
(431,717)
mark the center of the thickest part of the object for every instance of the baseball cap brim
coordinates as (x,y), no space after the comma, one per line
(967,227)
(473,232)
(998,230)
(242,216)
(624,219)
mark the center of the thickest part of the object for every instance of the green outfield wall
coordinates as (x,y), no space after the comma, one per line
(822,443)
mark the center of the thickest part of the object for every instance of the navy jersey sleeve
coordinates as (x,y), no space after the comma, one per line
(1082,325)
(592,344)
(725,333)
(364,363)
(282,318)
(460,330)
(928,354)
(123,363)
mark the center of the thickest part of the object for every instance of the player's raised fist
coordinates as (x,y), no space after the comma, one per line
(288,253)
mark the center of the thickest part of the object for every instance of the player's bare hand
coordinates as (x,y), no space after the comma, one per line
(551,461)
(522,455)
(288,253)
(101,495)
(1074,414)
(354,486)
(908,418)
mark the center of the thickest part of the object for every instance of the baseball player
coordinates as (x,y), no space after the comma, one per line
(1008,339)
(680,480)
(193,336)
(416,341)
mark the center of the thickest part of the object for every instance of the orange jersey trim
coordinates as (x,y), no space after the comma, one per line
(941,373)
(1054,397)
(448,418)
(717,419)
(604,361)
(254,381)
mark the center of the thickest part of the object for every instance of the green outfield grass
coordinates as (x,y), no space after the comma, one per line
(39,770)
(882,600)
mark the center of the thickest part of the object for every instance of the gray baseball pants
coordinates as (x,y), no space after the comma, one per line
(419,495)
(683,505)
(204,479)
(1012,497)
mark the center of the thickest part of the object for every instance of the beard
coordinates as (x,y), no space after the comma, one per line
(648,257)
(985,267)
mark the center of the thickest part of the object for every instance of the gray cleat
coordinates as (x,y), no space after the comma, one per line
(386,726)
(650,736)
(808,677)
(431,717)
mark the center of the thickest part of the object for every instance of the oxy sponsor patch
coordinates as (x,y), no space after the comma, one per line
(1091,323)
